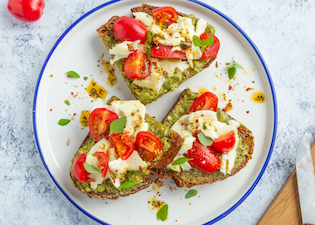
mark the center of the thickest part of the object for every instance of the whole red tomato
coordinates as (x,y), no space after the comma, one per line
(26,10)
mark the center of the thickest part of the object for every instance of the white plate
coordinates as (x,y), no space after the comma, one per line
(80,48)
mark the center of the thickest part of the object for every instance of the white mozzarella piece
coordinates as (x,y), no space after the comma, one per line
(122,50)
(101,146)
(201,27)
(185,166)
(134,111)
(187,144)
(98,103)
(160,68)
(144,18)
(135,162)
(228,159)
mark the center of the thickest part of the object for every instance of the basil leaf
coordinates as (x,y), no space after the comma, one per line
(73,74)
(90,169)
(236,65)
(162,213)
(197,41)
(231,72)
(205,141)
(63,122)
(67,102)
(127,184)
(207,42)
(202,49)
(191,193)
(181,160)
(149,37)
(117,126)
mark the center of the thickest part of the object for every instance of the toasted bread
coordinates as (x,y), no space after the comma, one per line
(106,190)
(193,176)
(149,94)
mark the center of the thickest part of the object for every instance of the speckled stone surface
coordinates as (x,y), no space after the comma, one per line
(284,33)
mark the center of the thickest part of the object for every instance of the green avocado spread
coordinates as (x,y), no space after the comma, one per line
(159,130)
(182,107)
(147,95)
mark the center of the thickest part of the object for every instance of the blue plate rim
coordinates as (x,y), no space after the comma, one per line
(235,26)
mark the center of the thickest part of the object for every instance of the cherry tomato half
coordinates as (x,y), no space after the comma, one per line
(129,29)
(102,162)
(212,50)
(163,51)
(165,15)
(203,158)
(137,65)
(99,122)
(78,169)
(26,10)
(224,143)
(206,101)
(123,144)
(148,146)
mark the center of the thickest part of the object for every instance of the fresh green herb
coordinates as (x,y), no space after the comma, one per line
(164,26)
(181,160)
(73,74)
(85,78)
(176,70)
(117,126)
(191,193)
(232,68)
(149,52)
(127,184)
(67,102)
(162,213)
(90,169)
(63,122)
(149,39)
(204,140)
(202,43)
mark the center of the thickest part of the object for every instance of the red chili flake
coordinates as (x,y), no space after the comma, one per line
(74,114)
(71,93)
(247,112)
(140,168)
(248,89)
(197,121)
(164,72)
(182,124)
(230,87)
(91,100)
(50,110)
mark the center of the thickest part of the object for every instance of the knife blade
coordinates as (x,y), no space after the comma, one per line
(306,179)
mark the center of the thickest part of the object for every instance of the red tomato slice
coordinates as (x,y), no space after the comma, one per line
(206,101)
(224,143)
(102,162)
(148,146)
(26,10)
(210,51)
(203,158)
(99,122)
(163,51)
(78,169)
(165,15)
(129,29)
(137,65)
(123,144)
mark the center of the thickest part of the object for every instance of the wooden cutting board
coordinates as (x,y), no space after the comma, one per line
(285,207)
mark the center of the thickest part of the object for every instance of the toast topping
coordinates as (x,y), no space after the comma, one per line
(204,121)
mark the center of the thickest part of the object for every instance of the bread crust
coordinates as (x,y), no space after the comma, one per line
(187,178)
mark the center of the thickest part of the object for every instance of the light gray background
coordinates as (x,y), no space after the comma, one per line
(283,31)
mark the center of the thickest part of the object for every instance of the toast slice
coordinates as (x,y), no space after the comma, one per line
(194,176)
(163,78)
(142,176)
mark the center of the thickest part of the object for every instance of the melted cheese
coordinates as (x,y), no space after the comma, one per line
(207,122)
(122,50)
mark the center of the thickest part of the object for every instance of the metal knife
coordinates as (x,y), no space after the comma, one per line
(306,179)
